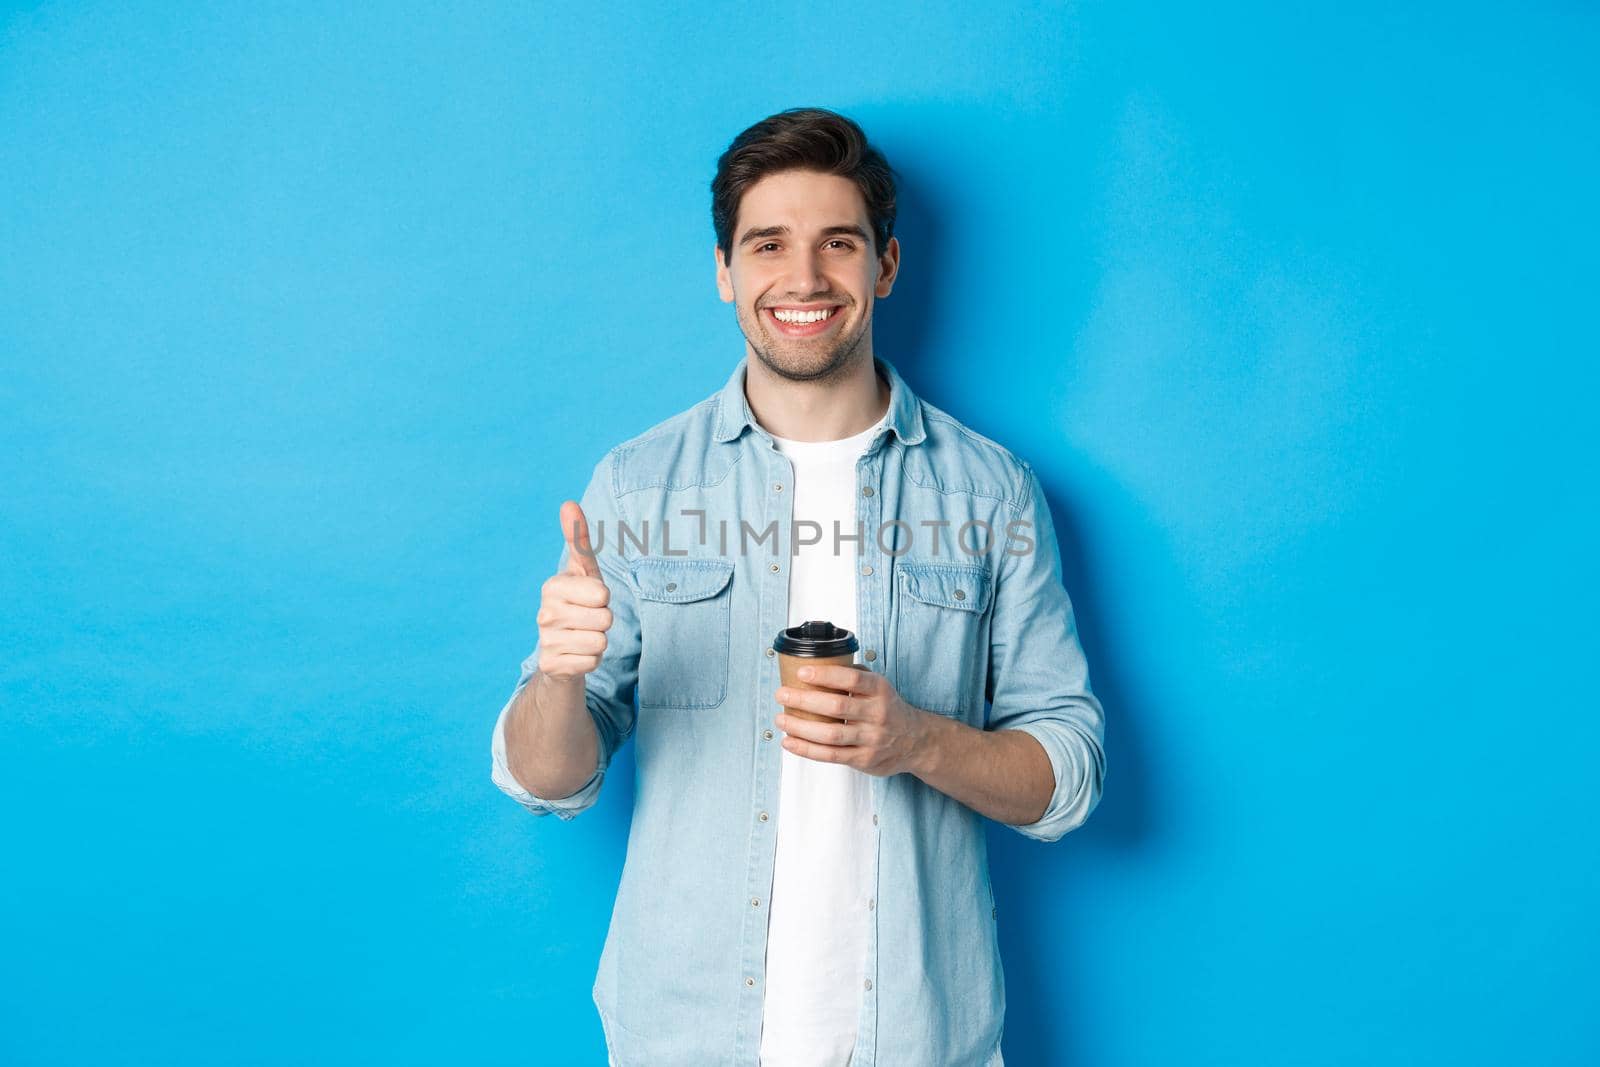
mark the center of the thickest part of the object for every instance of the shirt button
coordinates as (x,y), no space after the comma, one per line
(770,653)
(869,983)
(871,654)
(766,735)
(777,487)
(874,818)
(994,913)
(866,490)
(867,569)
(871,904)
(961,594)
(774,568)
(749,981)
(762,816)
(755,902)
(671,586)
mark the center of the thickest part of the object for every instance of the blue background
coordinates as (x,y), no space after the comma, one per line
(309,322)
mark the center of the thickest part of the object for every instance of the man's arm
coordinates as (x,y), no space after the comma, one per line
(551,743)
(555,738)
(1040,764)
(1004,774)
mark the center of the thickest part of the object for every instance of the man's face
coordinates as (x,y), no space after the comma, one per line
(802,244)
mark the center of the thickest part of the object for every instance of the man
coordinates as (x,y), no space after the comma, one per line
(796,891)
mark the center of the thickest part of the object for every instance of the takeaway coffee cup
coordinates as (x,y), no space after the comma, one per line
(813,644)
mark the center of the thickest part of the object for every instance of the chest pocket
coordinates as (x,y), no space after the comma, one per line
(684,627)
(941,636)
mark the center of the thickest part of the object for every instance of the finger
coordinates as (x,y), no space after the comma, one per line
(567,663)
(821,753)
(571,616)
(581,557)
(581,642)
(579,589)
(832,734)
(844,679)
(822,703)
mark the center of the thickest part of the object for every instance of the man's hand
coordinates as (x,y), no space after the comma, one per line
(883,735)
(573,617)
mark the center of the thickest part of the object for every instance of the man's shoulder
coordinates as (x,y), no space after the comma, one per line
(956,458)
(697,418)
(678,451)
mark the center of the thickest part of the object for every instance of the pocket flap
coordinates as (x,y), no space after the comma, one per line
(678,581)
(963,586)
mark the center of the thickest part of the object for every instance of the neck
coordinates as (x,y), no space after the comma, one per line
(816,411)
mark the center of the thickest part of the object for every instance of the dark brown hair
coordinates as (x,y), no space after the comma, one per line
(802,138)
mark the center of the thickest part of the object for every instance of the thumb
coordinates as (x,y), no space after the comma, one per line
(581,558)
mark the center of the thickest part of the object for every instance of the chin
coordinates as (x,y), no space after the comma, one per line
(808,366)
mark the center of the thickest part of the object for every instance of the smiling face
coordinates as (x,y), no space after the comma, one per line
(803,274)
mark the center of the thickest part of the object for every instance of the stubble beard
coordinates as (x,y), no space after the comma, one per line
(837,363)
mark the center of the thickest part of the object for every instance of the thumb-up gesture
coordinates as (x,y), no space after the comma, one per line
(573,617)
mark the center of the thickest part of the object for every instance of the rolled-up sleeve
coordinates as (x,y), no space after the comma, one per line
(609,688)
(1038,679)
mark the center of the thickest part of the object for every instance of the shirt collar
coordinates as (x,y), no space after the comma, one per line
(904,416)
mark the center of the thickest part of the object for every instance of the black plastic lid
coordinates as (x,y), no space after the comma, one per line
(815,638)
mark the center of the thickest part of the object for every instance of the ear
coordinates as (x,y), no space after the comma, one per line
(888,267)
(724,279)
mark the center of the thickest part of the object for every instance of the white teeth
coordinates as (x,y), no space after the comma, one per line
(800,318)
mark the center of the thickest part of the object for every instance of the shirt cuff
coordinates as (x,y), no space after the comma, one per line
(1067,810)
(565,808)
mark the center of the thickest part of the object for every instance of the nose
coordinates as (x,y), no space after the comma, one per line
(805,274)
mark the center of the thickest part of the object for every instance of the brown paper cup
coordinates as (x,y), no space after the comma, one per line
(789,665)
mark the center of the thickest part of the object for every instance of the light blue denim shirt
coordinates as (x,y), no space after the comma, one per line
(962,607)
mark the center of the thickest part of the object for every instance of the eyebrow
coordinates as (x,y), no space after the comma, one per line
(783,231)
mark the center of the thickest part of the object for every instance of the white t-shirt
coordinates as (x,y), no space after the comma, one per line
(823,869)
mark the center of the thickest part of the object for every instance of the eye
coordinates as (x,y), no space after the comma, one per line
(841,241)
(767,245)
